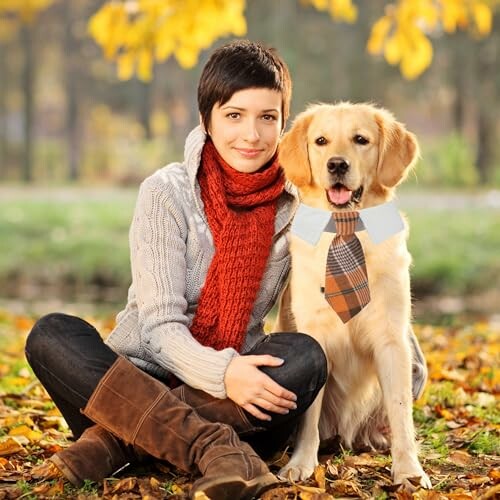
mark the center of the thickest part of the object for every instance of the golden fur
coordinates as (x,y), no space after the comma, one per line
(369,357)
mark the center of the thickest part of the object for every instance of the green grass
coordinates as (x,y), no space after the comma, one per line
(74,243)
(485,442)
(79,242)
(454,251)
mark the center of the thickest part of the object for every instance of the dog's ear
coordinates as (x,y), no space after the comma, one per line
(398,150)
(293,154)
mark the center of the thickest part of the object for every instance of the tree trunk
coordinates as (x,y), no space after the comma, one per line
(145,91)
(71,65)
(486,137)
(487,105)
(460,57)
(3,114)
(27,86)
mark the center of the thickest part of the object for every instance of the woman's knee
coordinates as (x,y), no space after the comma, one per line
(51,332)
(44,331)
(305,367)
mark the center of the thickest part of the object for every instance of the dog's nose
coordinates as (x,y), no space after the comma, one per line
(337,165)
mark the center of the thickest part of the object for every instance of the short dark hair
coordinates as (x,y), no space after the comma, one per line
(240,65)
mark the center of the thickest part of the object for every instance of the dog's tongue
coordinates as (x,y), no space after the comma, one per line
(339,195)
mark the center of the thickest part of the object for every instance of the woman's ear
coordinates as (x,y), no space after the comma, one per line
(293,153)
(398,150)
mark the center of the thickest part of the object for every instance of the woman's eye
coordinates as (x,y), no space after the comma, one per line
(359,139)
(321,141)
(269,118)
(233,116)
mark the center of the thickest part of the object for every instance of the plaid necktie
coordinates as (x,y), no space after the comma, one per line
(346,285)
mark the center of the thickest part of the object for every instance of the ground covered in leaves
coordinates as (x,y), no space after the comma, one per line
(457,419)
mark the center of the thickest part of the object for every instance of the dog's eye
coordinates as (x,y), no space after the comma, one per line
(321,141)
(359,139)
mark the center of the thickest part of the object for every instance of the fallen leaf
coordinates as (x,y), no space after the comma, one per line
(490,493)
(332,470)
(349,488)
(494,475)
(478,480)
(11,445)
(27,432)
(364,459)
(459,457)
(177,490)
(319,476)
(49,489)
(309,489)
(451,424)
(121,486)
(199,495)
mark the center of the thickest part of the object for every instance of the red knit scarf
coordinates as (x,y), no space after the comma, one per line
(241,210)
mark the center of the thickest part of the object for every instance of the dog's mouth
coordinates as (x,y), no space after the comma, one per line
(340,196)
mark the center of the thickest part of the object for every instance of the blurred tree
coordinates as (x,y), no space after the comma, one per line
(472,73)
(28,87)
(487,95)
(3,111)
(72,92)
(21,14)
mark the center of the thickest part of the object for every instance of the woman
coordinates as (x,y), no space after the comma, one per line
(188,369)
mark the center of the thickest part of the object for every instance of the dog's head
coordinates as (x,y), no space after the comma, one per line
(347,156)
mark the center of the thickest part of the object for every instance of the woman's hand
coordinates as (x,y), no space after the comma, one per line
(253,390)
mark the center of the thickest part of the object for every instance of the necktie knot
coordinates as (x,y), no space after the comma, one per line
(345,222)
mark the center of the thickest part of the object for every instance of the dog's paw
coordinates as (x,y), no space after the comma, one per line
(295,471)
(403,476)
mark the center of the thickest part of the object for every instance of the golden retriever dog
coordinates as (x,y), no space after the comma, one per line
(348,157)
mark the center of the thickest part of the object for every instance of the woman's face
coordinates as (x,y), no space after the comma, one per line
(246,129)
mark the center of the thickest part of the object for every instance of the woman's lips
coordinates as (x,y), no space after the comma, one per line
(248,153)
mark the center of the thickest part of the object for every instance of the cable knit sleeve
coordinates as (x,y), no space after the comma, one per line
(158,248)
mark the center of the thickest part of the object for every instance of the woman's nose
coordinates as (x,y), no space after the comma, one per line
(251,133)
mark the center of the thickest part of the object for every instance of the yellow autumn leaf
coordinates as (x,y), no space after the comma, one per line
(187,56)
(164,46)
(392,50)
(27,432)
(415,62)
(98,24)
(11,445)
(378,34)
(429,14)
(177,490)
(126,65)
(319,476)
(176,27)
(200,495)
(448,18)
(482,17)
(145,65)
(239,25)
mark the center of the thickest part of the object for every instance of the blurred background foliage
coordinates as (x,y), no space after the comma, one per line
(105,91)
(98,94)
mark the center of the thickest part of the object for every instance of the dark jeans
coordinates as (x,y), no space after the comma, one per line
(69,357)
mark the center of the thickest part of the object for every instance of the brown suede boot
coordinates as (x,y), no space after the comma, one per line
(213,409)
(96,455)
(222,481)
(143,412)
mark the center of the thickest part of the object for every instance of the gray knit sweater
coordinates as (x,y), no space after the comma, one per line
(171,248)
